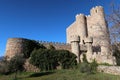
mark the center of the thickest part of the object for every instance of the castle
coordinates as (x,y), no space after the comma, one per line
(87,35)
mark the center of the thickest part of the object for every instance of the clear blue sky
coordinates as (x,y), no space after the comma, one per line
(41,19)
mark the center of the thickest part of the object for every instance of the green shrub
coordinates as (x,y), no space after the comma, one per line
(49,59)
(66,59)
(4,67)
(16,63)
(86,67)
(94,66)
(116,53)
(30,45)
(84,58)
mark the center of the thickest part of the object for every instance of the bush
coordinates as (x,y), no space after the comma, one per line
(94,66)
(4,67)
(89,68)
(66,59)
(116,53)
(16,63)
(30,45)
(48,59)
(84,67)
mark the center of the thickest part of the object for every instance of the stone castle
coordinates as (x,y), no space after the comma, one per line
(91,32)
(87,35)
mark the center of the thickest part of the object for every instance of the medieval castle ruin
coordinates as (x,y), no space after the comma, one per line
(86,35)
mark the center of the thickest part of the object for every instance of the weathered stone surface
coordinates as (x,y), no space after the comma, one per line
(93,33)
(88,35)
(109,69)
(29,67)
(15,46)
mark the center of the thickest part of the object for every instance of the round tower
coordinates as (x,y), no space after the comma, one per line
(75,46)
(15,46)
(98,25)
(81,27)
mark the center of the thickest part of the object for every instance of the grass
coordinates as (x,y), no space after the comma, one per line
(60,75)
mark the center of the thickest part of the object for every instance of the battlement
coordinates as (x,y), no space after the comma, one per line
(53,43)
(97,10)
(75,38)
(80,17)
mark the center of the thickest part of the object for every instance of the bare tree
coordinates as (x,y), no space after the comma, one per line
(114,23)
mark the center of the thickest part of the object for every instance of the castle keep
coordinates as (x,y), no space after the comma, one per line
(86,35)
(91,32)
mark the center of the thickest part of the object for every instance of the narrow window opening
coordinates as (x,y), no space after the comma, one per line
(96,11)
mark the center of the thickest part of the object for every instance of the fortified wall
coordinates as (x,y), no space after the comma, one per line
(15,46)
(19,46)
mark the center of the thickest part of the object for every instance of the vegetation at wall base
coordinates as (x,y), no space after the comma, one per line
(30,46)
(116,53)
(14,65)
(48,59)
(86,67)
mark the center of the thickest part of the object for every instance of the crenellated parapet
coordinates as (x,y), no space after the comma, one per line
(97,10)
(74,38)
(50,42)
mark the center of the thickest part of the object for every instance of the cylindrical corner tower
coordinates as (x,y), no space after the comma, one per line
(81,27)
(15,46)
(88,42)
(75,46)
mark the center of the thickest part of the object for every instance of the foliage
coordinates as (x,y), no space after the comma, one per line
(4,67)
(84,58)
(47,59)
(66,59)
(94,66)
(16,63)
(114,20)
(30,45)
(43,59)
(116,53)
(13,65)
(86,67)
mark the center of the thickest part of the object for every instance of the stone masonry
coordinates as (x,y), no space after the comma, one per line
(86,35)
(92,31)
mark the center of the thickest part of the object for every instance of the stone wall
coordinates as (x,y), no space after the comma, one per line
(115,70)
(95,26)
(29,67)
(57,45)
(20,45)
(15,46)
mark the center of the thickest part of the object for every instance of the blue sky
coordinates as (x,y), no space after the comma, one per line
(41,19)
